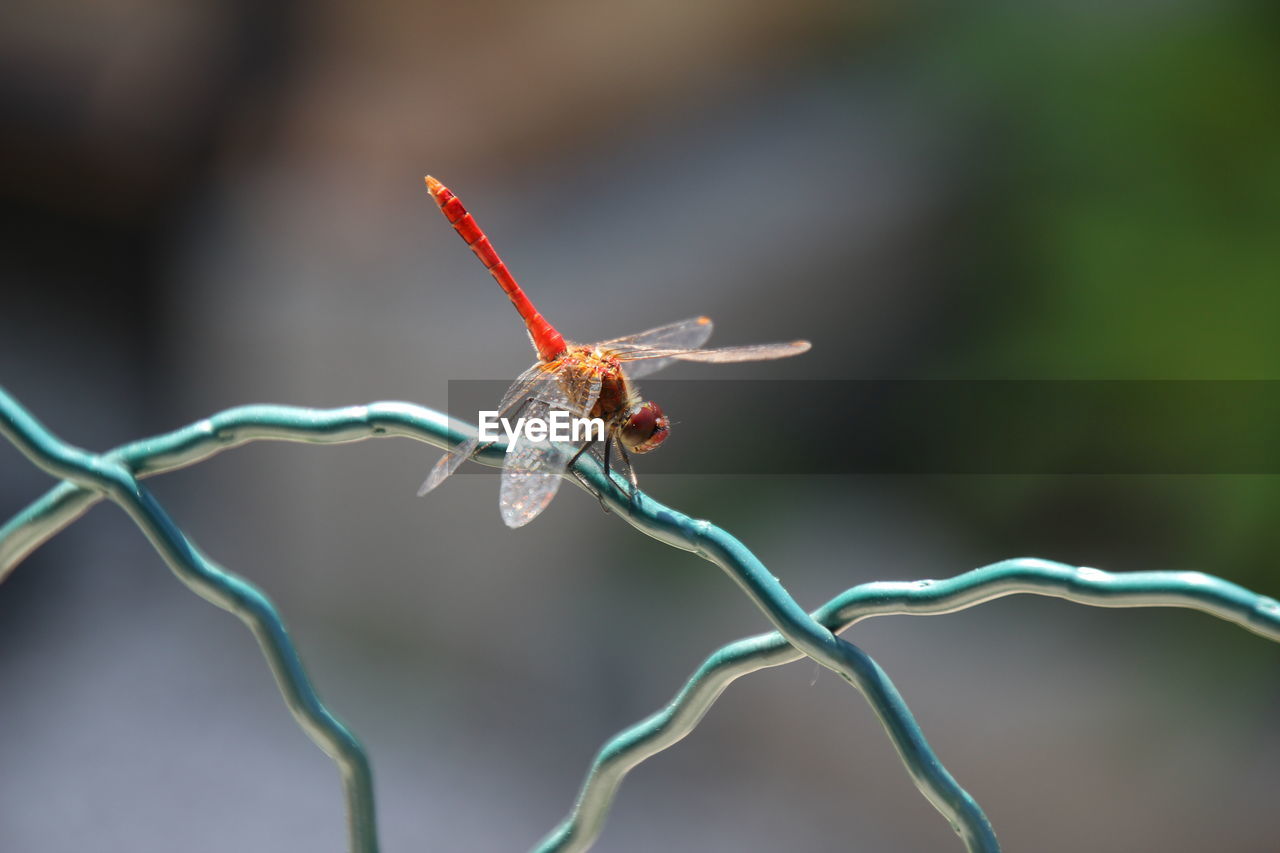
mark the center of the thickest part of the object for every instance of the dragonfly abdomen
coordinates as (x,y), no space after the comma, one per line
(547,341)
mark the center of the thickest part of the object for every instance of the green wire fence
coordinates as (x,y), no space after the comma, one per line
(87,478)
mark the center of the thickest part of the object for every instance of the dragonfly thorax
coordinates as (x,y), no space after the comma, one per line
(639,426)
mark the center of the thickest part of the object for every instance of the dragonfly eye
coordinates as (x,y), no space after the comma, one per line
(645,429)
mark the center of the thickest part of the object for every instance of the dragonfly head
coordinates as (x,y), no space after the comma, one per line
(645,428)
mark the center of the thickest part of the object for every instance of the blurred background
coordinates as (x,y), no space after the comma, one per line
(214,203)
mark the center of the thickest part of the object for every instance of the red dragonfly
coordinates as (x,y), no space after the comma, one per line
(584,380)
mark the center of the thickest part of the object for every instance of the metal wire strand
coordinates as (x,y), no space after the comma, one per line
(188,445)
(799,634)
(99,476)
(1194,590)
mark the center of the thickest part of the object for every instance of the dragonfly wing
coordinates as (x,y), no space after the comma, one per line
(447,464)
(520,390)
(531,383)
(642,366)
(525,494)
(684,335)
(722,355)
(530,474)
(531,471)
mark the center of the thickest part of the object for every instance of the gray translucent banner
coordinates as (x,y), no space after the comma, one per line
(952,427)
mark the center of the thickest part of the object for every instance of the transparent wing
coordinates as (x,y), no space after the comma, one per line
(684,335)
(447,464)
(520,390)
(530,475)
(723,355)
(531,471)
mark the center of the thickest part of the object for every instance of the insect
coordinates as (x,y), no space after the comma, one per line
(584,380)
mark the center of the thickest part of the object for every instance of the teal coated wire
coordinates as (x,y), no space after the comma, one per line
(99,476)
(67,501)
(1082,585)
(188,445)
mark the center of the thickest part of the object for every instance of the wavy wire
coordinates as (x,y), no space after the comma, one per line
(87,478)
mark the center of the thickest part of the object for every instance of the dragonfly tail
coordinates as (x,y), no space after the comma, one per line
(547,341)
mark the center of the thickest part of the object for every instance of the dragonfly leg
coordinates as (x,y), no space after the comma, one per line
(608,471)
(631,473)
(581,450)
(583,480)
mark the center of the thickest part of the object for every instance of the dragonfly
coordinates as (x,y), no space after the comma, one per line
(583,380)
